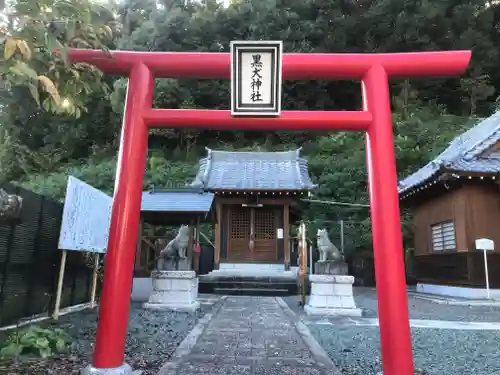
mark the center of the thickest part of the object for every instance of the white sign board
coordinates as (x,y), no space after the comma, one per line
(485,244)
(86,218)
(279,233)
(256,75)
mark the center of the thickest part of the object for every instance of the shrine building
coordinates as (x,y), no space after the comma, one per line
(251,199)
(257,195)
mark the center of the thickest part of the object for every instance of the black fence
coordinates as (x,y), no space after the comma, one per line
(294,254)
(30,260)
(206,259)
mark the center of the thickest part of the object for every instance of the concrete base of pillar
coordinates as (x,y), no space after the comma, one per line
(190,308)
(332,311)
(122,370)
(174,290)
(332,295)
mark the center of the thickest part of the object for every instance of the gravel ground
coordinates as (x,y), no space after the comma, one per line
(423,309)
(419,308)
(152,338)
(356,349)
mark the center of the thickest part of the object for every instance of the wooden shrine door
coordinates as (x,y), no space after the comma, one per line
(239,234)
(252,234)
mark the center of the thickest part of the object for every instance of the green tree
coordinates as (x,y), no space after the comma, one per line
(427,113)
(35,59)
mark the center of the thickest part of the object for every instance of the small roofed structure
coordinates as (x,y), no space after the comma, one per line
(455,200)
(189,206)
(176,207)
(255,195)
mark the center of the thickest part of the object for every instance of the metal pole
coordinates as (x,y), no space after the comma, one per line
(486,275)
(310,259)
(303,262)
(342,236)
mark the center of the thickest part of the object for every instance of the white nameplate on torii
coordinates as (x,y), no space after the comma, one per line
(256,76)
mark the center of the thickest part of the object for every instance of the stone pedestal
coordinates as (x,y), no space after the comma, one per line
(122,370)
(169,265)
(331,267)
(332,295)
(174,290)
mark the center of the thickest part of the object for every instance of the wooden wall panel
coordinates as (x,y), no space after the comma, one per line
(444,208)
(475,209)
(482,214)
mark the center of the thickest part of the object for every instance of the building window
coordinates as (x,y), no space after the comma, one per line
(443,236)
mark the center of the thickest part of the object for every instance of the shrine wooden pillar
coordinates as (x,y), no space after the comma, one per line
(196,244)
(218,237)
(286,235)
(138,251)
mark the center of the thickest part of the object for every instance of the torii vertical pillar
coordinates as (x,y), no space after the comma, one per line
(374,70)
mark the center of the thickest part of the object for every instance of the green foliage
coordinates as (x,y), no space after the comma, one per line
(100,173)
(34,32)
(40,150)
(43,342)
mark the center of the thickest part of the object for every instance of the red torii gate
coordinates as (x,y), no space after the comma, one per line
(374,70)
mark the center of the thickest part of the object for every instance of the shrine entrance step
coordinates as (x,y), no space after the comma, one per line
(255,284)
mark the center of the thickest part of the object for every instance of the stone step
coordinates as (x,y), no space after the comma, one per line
(254,285)
(252,291)
(250,279)
(233,275)
(250,285)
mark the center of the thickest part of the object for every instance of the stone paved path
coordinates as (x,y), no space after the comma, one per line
(250,335)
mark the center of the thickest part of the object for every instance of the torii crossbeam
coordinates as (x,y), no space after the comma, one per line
(374,71)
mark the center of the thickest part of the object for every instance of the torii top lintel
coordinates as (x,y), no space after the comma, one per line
(296,66)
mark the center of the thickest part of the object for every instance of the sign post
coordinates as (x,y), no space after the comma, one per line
(95,274)
(486,244)
(84,227)
(60,280)
(256,78)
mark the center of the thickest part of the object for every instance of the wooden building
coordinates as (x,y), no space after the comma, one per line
(455,199)
(257,194)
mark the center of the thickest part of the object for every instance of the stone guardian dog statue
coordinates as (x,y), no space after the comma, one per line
(327,250)
(175,250)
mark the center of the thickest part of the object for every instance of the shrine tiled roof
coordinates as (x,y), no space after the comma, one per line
(264,171)
(176,201)
(464,154)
